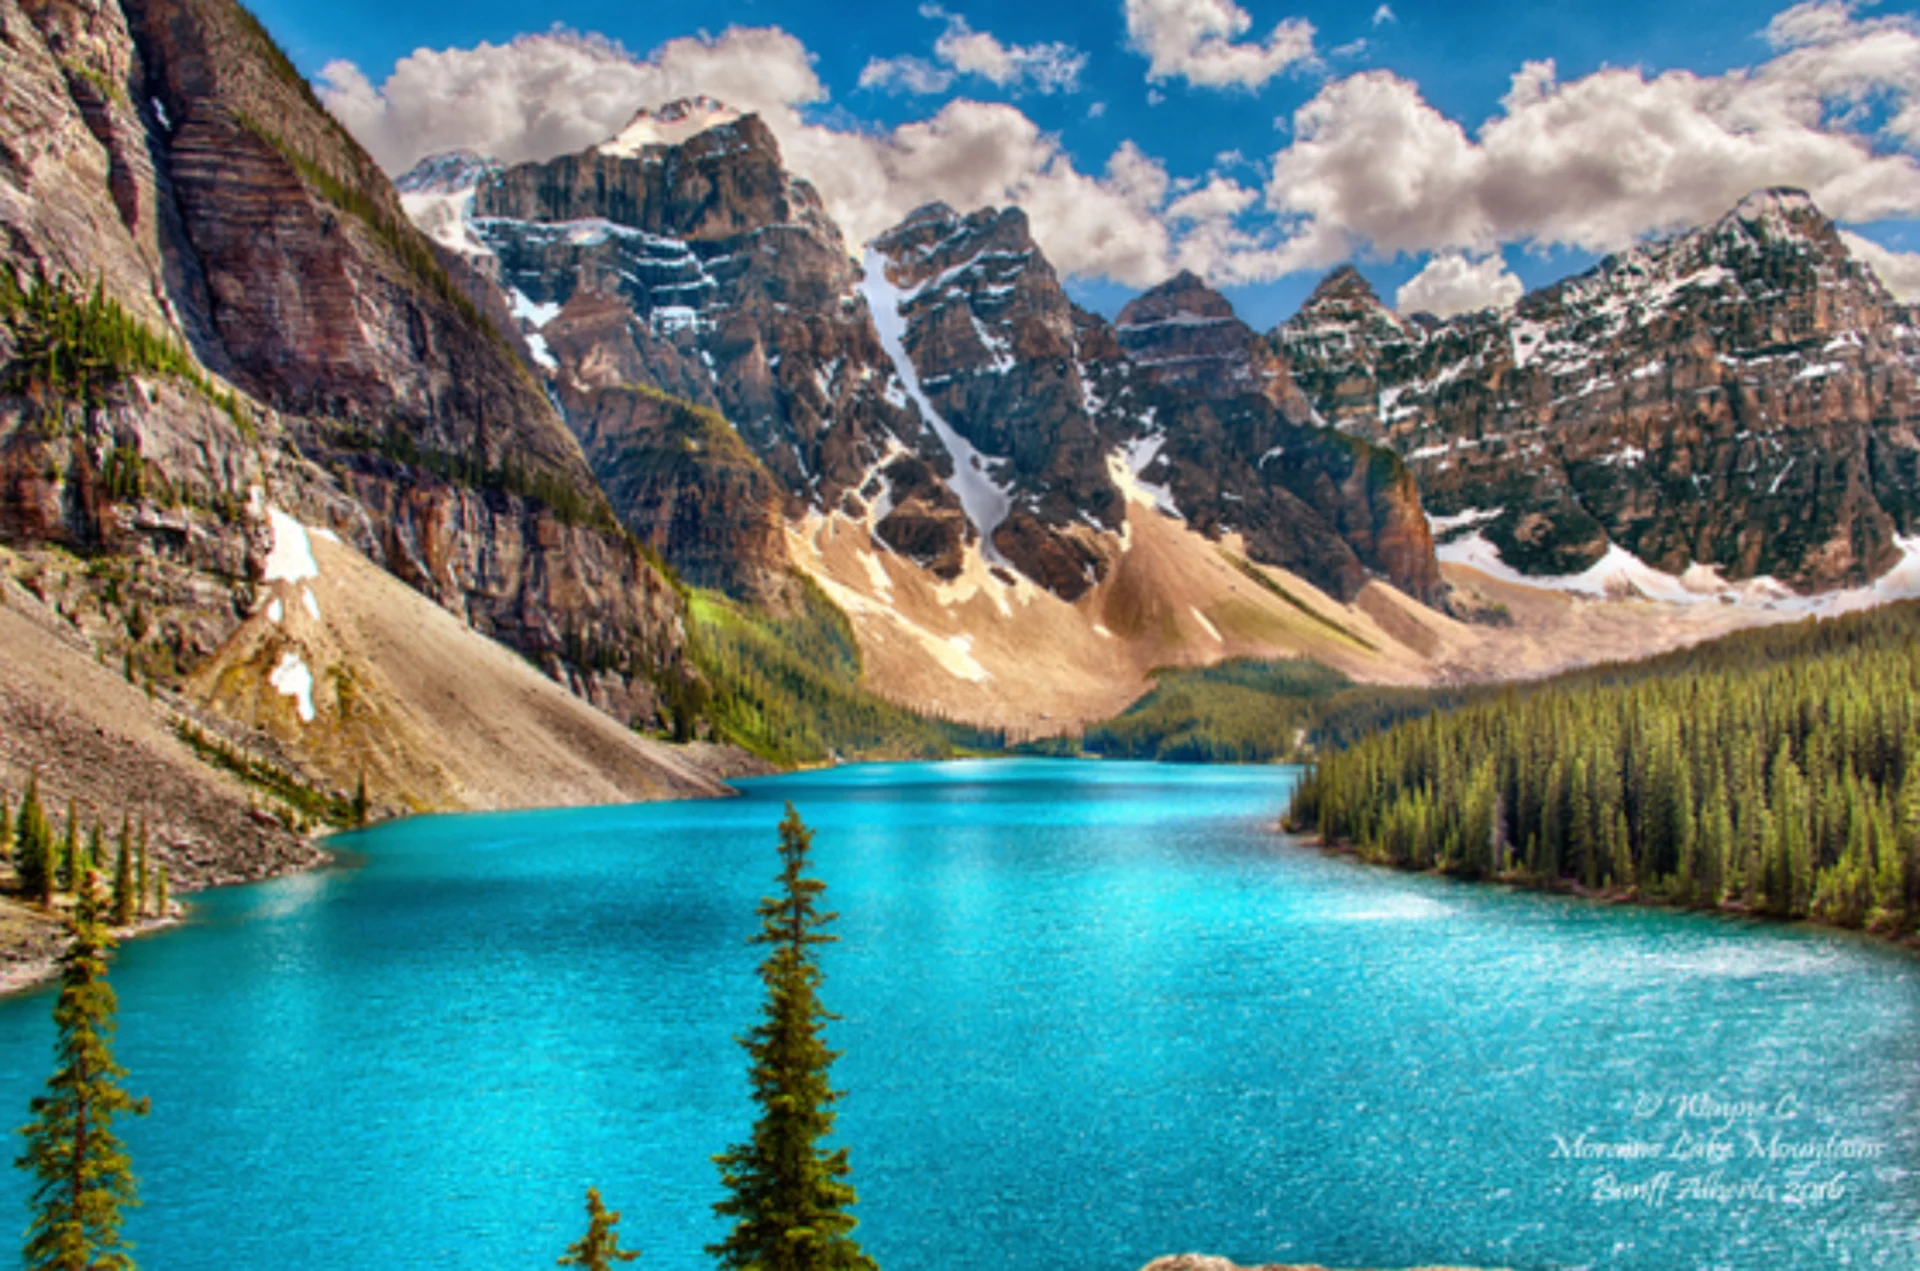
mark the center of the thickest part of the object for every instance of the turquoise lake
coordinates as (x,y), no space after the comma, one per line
(1092,1013)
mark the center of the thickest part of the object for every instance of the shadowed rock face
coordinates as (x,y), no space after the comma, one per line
(1741,395)
(1185,335)
(1332,508)
(693,263)
(990,334)
(193,175)
(706,270)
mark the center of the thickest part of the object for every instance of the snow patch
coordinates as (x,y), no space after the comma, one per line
(312,603)
(275,611)
(293,679)
(1461,520)
(1206,626)
(291,559)
(985,503)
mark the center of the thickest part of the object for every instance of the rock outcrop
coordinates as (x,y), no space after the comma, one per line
(682,256)
(945,390)
(274,330)
(1740,396)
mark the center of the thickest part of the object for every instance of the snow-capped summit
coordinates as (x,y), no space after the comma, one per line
(450,172)
(670,125)
(437,193)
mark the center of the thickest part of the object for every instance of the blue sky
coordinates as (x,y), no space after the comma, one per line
(1449,64)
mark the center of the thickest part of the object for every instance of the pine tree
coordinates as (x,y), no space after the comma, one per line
(70,875)
(6,829)
(33,846)
(142,880)
(161,901)
(83,1177)
(788,1196)
(125,903)
(600,1248)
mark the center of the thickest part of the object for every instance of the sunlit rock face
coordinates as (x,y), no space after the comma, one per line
(1740,396)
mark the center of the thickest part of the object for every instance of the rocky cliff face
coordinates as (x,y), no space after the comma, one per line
(682,256)
(1741,396)
(986,334)
(943,390)
(324,357)
(1210,419)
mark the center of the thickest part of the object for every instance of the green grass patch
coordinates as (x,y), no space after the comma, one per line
(1261,579)
(310,803)
(787,688)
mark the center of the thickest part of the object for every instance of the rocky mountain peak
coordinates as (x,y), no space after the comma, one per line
(669,125)
(1345,286)
(1184,295)
(449,172)
(1185,334)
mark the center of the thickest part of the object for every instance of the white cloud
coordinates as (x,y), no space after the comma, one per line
(1221,196)
(1898,271)
(1599,161)
(542,95)
(1368,165)
(1200,41)
(1384,15)
(1451,283)
(1052,67)
(905,74)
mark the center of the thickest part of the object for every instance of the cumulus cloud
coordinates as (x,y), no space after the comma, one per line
(1898,271)
(905,74)
(542,95)
(1384,15)
(1200,41)
(1368,164)
(1052,67)
(974,154)
(1452,283)
(1596,162)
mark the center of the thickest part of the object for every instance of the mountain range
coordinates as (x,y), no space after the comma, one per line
(309,456)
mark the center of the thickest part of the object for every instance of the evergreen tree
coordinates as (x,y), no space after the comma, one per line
(70,874)
(788,1196)
(162,902)
(33,846)
(125,903)
(1779,770)
(6,829)
(142,880)
(82,1176)
(600,1248)
(1622,866)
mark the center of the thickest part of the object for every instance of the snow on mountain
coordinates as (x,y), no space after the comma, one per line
(668,126)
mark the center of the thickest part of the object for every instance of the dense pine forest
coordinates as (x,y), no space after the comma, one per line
(1776,772)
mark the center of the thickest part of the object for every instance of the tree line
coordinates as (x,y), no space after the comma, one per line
(48,865)
(1776,772)
(787,1196)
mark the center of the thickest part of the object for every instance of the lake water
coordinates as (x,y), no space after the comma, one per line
(1092,1013)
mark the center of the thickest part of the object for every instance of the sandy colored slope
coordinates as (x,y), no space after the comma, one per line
(435,715)
(106,749)
(992,648)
